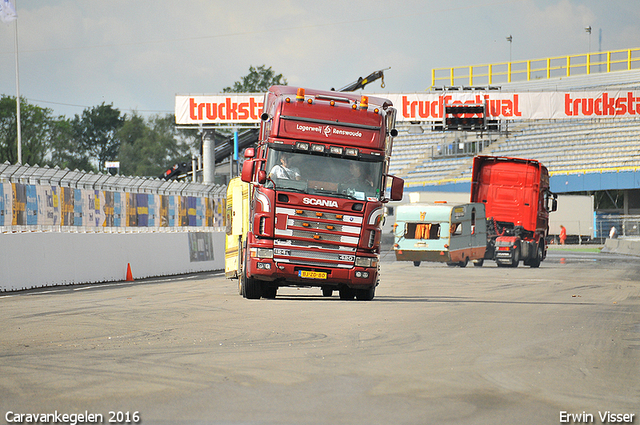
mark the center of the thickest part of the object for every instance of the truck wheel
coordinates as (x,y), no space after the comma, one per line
(416,263)
(269,292)
(241,285)
(536,261)
(516,257)
(327,292)
(464,263)
(365,294)
(252,287)
(346,293)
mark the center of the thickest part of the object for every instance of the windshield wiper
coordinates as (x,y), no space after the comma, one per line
(333,193)
(289,189)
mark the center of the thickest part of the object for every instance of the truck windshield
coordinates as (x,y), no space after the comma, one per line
(324,175)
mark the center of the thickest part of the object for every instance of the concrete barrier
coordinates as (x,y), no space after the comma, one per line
(622,246)
(34,259)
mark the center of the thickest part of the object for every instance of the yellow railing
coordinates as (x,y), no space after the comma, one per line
(537,69)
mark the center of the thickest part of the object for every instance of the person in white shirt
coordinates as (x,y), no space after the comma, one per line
(283,170)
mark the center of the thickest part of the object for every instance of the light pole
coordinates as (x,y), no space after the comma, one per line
(588,30)
(510,40)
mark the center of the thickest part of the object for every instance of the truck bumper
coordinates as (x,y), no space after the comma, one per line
(289,274)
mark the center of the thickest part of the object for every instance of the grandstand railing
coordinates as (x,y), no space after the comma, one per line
(535,69)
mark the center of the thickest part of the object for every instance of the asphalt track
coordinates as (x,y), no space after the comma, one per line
(437,345)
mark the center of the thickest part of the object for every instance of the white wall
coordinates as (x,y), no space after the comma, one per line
(32,259)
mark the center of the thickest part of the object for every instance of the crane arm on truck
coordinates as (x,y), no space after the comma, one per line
(361,82)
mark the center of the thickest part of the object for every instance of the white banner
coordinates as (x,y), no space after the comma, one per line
(220,108)
(521,106)
(247,108)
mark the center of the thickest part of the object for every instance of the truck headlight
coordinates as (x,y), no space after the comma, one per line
(366,262)
(261,252)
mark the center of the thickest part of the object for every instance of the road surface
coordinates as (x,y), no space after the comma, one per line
(437,345)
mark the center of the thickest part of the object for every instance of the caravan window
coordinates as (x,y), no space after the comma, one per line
(422,231)
(456,229)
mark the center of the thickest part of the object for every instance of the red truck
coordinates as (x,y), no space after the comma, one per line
(518,201)
(318,181)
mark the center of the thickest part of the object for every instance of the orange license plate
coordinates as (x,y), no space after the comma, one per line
(312,275)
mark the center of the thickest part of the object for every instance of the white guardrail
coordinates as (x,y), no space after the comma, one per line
(64,227)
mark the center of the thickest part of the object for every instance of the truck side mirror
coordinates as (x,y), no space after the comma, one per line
(247,171)
(397,188)
(553,197)
(262,177)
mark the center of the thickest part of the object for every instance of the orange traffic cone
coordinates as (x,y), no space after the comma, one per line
(129,275)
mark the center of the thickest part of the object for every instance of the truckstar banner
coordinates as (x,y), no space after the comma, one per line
(429,106)
(219,109)
(521,106)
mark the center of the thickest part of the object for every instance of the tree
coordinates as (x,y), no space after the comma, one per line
(35,123)
(95,134)
(257,81)
(66,151)
(147,148)
(86,141)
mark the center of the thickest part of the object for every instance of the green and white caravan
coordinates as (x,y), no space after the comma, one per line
(441,232)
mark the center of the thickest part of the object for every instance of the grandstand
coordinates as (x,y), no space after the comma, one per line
(592,156)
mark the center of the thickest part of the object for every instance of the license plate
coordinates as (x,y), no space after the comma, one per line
(312,275)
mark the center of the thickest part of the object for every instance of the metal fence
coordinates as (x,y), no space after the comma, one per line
(54,199)
(625,225)
(544,68)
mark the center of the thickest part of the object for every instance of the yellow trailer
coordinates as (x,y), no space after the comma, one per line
(237,222)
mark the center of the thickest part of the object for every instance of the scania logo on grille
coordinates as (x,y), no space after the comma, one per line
(320,202)
(327,131)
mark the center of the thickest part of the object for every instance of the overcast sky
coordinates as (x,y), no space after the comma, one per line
(139,54)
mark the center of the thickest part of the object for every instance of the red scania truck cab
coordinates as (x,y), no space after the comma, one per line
(318,181)
(517,199)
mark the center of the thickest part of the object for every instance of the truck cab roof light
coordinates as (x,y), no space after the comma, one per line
(364,102)
(303,146)
(351,152)
(335,150)
(300,94)
(317,148)
(333,99)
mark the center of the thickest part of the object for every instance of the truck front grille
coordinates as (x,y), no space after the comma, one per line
(316,238)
